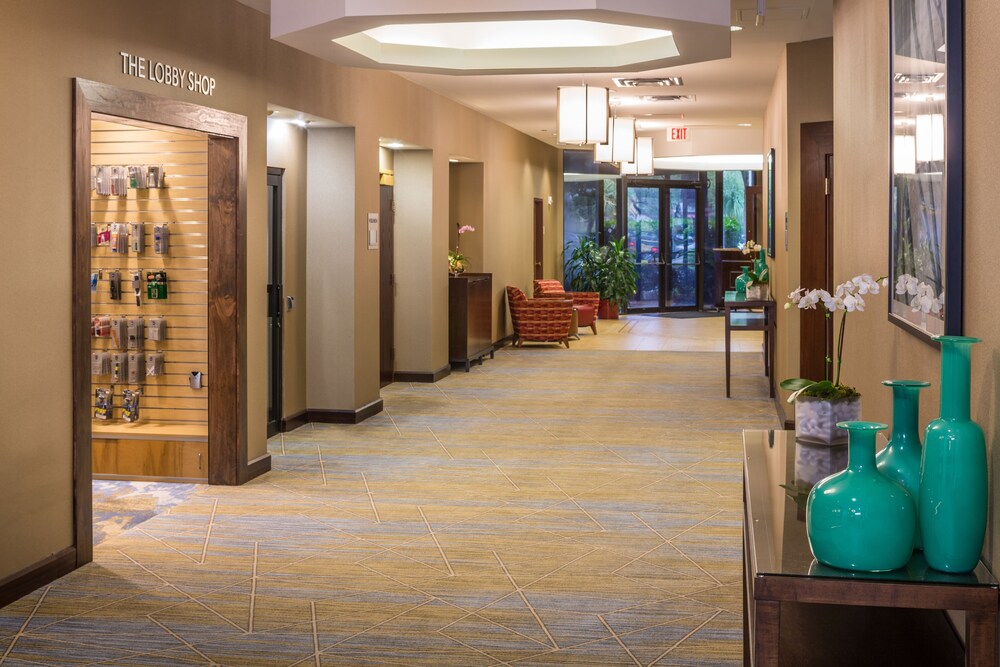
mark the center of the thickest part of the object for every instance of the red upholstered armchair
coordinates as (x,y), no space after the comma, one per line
(586,302)
(539,320)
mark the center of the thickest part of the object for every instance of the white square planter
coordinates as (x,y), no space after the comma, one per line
(816,419)
(758,292)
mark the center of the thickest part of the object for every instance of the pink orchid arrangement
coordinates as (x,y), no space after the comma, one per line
(456,260)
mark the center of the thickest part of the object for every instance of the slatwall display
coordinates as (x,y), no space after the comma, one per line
(167,401)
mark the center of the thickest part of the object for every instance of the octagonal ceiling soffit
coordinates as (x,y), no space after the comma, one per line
(506,36)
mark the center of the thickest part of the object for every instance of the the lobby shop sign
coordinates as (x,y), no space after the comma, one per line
(166,74)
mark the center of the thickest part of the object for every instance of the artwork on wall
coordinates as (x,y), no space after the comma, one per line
(926,202)
(770,203)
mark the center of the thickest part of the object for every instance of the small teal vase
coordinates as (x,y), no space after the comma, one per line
(741,282)
(953,477)
(760,268)
(860,519)
(900,460)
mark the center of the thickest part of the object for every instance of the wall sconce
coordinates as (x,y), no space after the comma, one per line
(583,114)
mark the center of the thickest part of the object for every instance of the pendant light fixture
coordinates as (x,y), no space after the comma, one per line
(642,165)
(583,114)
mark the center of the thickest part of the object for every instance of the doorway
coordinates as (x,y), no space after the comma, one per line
(387,285)
(816,263)
(539,235)
(664,229)
(275,340)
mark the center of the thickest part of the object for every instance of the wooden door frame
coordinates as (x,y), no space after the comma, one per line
(275,233)
(538,234)
(227,344)
(387,259)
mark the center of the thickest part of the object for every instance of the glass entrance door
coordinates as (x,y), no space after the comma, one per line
(663,225)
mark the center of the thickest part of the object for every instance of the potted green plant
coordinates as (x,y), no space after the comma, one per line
(583,266)
(820,404)
(617,279)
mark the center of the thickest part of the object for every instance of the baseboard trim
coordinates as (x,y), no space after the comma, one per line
(344,416)
(33,577)
(292,422)
(421,376)
(504,342)
(256,468)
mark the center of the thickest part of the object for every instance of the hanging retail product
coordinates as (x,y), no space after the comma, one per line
(154,364)
(154,176)
(103,402)
(138,234)
(101,327)
(130,404)
(119,181)
(134,329)
(161,239)
(156,329)
(100,363)
(136,367)
(117,331)
(119,238)
(137,287)
(93,236)
(115,285)
(119,367)
(195,379)
(156,285)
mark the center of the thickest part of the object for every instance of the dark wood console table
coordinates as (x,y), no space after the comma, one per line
(799,612)
(470,318)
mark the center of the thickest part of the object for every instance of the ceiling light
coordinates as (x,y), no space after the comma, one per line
(583,114)
(452,160)
(643,163)
(744,124)
(395,145)
(761,10)
(735,28)
(904,154)
(623,146)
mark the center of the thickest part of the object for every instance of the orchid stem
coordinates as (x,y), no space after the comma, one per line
(840,346)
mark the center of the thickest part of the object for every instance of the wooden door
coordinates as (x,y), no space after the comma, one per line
(387,285)
(539,240)
(816,262)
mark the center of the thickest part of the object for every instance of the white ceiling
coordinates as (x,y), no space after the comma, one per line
(728,91)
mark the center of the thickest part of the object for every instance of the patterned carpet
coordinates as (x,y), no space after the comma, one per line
(120,506)
(552,507)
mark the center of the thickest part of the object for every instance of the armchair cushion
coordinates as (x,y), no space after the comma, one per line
(554,288)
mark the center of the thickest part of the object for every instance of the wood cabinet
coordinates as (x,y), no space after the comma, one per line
(470,318)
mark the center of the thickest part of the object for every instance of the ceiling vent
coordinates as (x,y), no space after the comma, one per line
(668,98)
(900,77)
(622,82)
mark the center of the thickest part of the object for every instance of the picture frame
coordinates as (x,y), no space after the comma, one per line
(926,173)
(770,203)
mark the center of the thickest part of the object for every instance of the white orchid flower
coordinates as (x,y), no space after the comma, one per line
(757,247)
(885,282)
(853,303)
(796,296)
(833,303)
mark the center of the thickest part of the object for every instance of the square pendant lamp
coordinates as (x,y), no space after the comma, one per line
(602,151)
(643,163)
(623,140)
(583,114)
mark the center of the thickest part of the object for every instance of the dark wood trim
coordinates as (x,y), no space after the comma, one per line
(83,503)
(36,575)
(422,376)
(538,234)
(345,416)
(292,422)
(875,593)
(779,407)
(257,467)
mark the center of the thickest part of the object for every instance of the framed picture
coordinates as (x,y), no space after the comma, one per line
(926,172)
(770,203)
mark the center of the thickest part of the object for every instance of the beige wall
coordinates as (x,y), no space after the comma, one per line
(44,44)
(802,93)
(286,149)
(465,207)
(875,349)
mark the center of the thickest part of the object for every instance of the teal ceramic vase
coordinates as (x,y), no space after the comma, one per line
(860,519)
(741,282)
(953,477)
(900,460)
(760,268)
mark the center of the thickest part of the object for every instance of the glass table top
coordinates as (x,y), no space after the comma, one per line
(778,473)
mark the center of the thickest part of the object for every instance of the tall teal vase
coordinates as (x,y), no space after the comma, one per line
(900,460)
(860,519)
(953,477)
(741,282)
(760,268)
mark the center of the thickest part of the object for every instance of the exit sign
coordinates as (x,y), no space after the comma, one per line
(678,134)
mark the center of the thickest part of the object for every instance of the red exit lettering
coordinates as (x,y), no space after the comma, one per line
(678,134)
